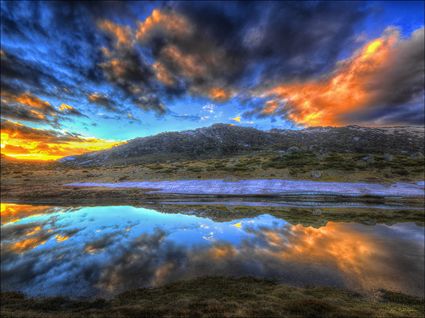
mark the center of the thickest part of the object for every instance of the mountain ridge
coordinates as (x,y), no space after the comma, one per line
(221,140)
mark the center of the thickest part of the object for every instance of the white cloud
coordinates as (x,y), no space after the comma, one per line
(209,108)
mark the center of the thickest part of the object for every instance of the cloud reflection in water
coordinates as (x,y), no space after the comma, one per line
(101,251)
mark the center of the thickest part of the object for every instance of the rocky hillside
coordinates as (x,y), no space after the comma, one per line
(222,140)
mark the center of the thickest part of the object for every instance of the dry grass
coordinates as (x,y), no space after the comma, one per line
(221,297)
(25,182)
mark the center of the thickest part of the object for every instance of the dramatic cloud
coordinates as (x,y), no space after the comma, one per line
(204,49)
(74,35)
(122,34)
(378,81)
(283,60)
(129,71)
(289,39)
(22,142)
(102,100)
(28,107)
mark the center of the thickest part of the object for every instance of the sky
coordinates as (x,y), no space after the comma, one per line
(85,76)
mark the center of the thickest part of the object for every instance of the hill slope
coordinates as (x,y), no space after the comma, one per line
(222,140)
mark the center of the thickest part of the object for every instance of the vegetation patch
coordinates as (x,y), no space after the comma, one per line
(220,297)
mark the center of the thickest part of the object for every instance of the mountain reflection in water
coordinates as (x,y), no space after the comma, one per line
(101,251)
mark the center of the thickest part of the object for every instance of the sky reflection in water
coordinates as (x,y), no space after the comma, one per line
(101,251)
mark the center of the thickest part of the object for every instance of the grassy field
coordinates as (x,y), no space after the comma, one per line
(32,181)
(221,297)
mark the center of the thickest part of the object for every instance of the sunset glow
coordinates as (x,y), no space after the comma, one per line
(350,88)
(11,213)
(29,146)
(121,71)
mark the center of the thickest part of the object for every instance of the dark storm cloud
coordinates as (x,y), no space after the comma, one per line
(57,51)
(126,52)
(230,42)
(102,100)
(126,69)
(38,135)
(19,112)
(66,109)
(399,88)
(212,49)
(19,74)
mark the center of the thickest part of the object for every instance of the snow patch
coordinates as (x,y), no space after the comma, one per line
(267,187)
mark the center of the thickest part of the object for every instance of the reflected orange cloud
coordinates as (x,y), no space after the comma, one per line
(27,244)
(22,142)
(34,238)
(348,89)
(11,213)
(35,230)
(60,238)
(161,274)
(89,249)
(222,251)
(356,254)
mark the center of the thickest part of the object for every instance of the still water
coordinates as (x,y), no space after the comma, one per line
(105,250)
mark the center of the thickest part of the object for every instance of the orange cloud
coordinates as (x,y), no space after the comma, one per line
(122,34)
(237,119)
(167,22)
(351,88)
(219,94)
(65,107)
(22,142)
(32,101)
(190,65)
(35,104)
(29,107)
(118,67)
(162,74)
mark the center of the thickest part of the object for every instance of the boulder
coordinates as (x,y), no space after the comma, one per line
(388,157)
(315,174)
(317,212)
(293,149)
(417,155)
(369,158)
